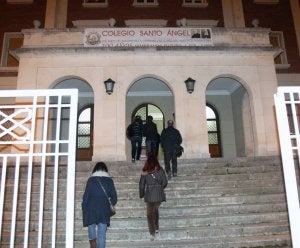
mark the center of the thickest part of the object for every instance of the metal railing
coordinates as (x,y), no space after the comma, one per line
(37,142)
(287,105)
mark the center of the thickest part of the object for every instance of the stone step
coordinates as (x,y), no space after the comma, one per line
(177,184)
(122,170)
(191,220)
(213,202)
(169,211)
(275,241)
(132,233)
(173,190)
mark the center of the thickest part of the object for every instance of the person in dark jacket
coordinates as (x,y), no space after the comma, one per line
(95,205)
(135,134)
(152,183)
(150,132)
(170,140)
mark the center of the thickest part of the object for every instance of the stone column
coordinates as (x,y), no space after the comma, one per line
(233,14)
(56,14)
(295,8)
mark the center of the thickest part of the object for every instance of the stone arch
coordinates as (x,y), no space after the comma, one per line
(230,95)
(149,89)
(85,100)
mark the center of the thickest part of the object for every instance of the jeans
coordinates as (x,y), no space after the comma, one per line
(100,234)
(136,147)
(153,216)
(170,156)
(151,146)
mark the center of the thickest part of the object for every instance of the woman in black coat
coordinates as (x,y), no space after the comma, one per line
(95,205)
(152,183)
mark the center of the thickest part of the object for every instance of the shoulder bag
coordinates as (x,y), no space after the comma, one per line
(112,207)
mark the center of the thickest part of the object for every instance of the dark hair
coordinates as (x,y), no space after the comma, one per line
(170,123)
(100,166)
(137,118)
(151,163)
(149,118)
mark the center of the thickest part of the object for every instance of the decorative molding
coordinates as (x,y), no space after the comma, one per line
(282,66)
(149,93)
(95,5)
(94,23)
(197,23)
(146,23)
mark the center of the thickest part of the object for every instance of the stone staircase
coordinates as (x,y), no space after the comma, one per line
(212,203)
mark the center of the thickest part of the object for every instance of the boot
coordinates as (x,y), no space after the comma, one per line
(93,243)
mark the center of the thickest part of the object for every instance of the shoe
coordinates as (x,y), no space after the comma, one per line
(93,243)
(156,231)
(174,174)
(151,237)
(133,160)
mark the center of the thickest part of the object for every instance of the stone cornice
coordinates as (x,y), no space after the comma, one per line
(70,41)
(74,37)
(185,51)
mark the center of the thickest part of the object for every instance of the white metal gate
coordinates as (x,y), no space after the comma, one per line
(37,162)
(287,104)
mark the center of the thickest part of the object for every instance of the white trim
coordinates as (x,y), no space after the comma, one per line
(145,3)
(195,3)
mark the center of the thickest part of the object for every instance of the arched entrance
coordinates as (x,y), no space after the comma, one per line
(85,115)
(149,96)
(231,101)
(145,110)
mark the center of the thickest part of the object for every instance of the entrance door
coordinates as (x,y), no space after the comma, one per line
(145,110)
(85,134)
(212,121)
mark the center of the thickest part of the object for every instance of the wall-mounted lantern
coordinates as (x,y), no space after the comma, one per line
(190,84)
(109,86)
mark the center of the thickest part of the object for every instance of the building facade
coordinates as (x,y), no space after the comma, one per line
(146,48)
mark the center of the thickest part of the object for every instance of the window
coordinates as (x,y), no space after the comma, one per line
(145,3)
(266,1)
(19,1)
(195,3)
(11,41)
(277,41)
(84,129)
(95,3)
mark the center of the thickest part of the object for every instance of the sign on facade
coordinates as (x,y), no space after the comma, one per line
(142,37)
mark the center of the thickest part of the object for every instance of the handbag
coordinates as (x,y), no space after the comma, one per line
(179,150)
(112,207)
